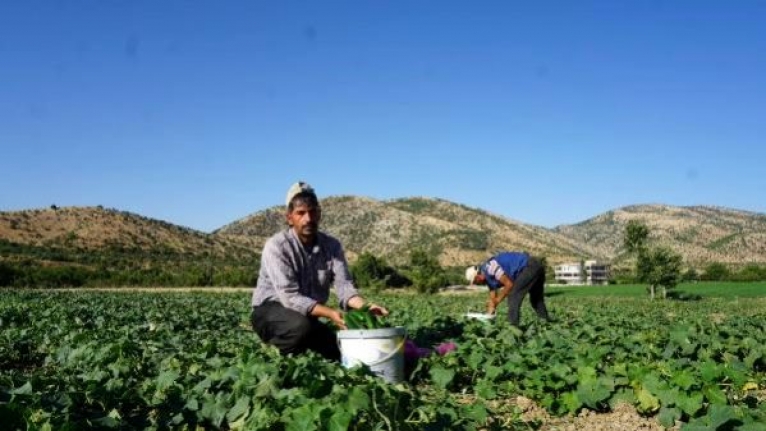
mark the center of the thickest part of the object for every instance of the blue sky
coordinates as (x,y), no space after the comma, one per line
(200,113)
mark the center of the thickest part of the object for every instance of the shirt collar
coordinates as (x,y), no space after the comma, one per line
(314,249)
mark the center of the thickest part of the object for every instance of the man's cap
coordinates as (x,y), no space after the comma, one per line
(470,274)
(296,189)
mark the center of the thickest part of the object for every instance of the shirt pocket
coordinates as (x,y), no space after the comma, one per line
(325,277)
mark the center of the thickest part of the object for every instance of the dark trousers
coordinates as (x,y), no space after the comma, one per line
(292,332)
(530,280)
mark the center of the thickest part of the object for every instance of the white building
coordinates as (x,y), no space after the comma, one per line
(573,273)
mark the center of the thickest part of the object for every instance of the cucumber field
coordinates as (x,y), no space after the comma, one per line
(167,360)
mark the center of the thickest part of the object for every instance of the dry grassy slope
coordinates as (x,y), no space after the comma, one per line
(96,228)
(502,233)
(363,225)
(700,234)
(393,228)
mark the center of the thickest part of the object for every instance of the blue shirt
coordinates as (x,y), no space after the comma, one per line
(508,263)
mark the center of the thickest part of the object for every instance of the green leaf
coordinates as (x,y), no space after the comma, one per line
(302,418)
(715,395)
(593,393)
(166,379)
(709,371)
(485,389)
(340,420)
(106,422)
(653,382)
(752,426)
(668,397)
(683,379)
(571,402)
(492,371)
(442,377)
(448,412)
(192,404)
(586,372)
(214,410)
(358,400)
(25,389)
(647,403)
(623,395)
(476,412)
(690,403)
(241,408)
(475,360)
(720,415)
(668,416)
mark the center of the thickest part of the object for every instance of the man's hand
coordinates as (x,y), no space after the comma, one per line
(357,302)
(336,317)
(378,310)
(491,306)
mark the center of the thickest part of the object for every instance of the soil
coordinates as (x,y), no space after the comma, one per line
(623,418)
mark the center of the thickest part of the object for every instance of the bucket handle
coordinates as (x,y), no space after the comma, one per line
(388,356)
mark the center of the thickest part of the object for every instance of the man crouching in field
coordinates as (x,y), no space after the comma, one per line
(298,266)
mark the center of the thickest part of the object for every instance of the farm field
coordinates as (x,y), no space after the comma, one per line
(684,291)
(188,360)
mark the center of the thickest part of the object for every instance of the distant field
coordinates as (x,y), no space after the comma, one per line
(683,291)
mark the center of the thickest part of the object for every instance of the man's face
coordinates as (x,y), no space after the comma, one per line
(480,279)
(304,219)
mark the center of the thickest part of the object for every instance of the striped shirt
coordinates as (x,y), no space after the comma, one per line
(299,277)
(505,263)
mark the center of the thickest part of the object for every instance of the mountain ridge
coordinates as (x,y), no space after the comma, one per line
(458,234)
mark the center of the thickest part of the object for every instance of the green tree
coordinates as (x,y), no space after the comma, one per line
(636,236)
(426,273)
(690,275)
(657,266)
(370,271)
(550,273)
(751,272)
(717,271)
(7,275)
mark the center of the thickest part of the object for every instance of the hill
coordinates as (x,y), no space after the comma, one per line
(701,234)
(99,229)
(456,233)
(130,247)
(82,245)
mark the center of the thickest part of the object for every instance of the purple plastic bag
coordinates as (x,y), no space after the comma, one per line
(445,348)
(413,352)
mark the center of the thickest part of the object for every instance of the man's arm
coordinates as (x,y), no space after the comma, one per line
(505,291)
(491,302)
(334,315)
(344,287)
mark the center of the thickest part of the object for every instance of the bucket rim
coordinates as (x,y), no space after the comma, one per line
(372,333)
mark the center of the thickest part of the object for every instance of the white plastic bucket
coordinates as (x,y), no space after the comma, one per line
(382,350)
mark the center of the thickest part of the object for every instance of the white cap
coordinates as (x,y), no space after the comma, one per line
(470,274)
(297,188)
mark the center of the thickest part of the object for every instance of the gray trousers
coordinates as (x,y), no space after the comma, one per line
(292,332)
(530,280)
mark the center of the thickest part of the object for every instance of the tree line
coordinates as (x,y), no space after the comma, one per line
(190,275)
(41,267)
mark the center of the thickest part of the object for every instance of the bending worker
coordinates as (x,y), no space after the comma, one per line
(511,275)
